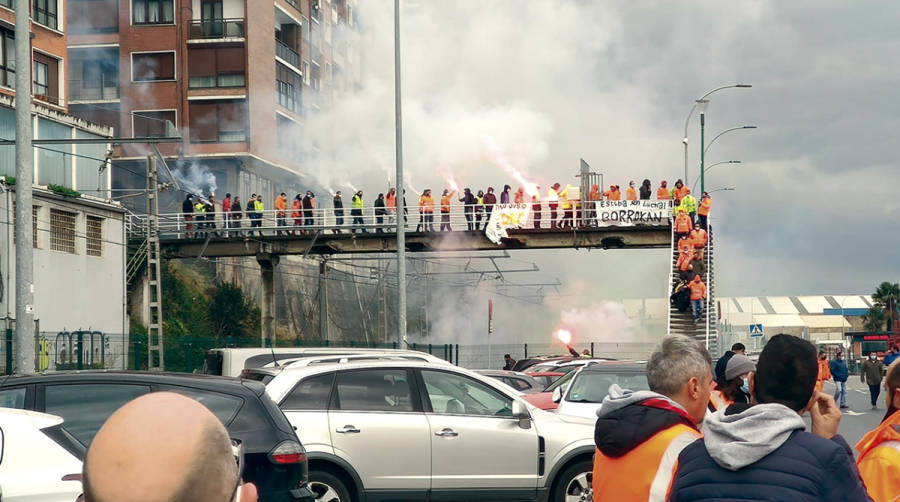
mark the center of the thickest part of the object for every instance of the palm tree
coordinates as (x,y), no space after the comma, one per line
(874,319)
(887,297)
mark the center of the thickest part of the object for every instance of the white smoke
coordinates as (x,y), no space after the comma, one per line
(196,178)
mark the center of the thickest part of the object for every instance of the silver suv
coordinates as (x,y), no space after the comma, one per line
(407,430)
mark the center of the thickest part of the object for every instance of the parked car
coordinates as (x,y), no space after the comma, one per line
(389,354)
(39,460)
(275,461)
(564,365)
(544,399)
(590,385)
(527,362)
(522,382)
(545,378)
(407,430)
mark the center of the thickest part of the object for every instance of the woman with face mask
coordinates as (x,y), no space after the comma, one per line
(738,373)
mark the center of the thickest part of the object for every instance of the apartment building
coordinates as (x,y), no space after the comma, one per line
(234,77)
(48,49)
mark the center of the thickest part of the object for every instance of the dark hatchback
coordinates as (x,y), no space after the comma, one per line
(275,461)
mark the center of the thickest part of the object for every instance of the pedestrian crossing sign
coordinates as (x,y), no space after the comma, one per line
(756,330)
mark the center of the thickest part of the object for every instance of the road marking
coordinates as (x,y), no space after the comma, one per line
(853,413)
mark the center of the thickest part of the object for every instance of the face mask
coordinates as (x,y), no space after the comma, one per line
(745,387)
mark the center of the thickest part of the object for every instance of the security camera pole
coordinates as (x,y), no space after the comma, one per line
(24,361)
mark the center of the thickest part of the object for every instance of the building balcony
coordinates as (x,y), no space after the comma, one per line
(286,53)
(93,90)
(216,29)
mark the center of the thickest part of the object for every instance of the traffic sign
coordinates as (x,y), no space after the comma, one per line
(756,330)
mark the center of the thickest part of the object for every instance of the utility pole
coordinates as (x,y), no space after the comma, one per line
(323,301)
(156,360)
(24,179)
(401,191)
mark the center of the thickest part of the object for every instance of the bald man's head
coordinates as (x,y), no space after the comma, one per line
(161,447)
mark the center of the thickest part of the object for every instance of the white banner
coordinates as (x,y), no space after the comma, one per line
(506,216)
(632,212)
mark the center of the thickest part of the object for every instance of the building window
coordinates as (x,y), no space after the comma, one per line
(46,78)
(94,236)
(7,58)
(94,74)
(288,84)
(45,13)
(93,16)
(152,124)
(35,210)
(216,67)
(9,4)
(305,72)
(152,66)
(153,11)
(218,121)
(62,231)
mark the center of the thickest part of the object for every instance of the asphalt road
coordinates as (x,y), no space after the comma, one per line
(860,418)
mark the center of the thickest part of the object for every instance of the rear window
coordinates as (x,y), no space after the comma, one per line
(311,393)
(13,398)
(517,383)
(223,406)
(84,407)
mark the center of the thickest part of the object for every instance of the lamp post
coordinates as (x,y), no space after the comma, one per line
(697,179)
(401,192)
(738,128)
(702,104)
(726,189)
(691,112)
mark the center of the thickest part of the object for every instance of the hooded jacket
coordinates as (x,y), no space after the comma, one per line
(645,190)
(839,370)
(762,452)
(879,459)
(638,437)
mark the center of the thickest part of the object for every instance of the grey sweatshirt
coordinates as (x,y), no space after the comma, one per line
(736,441)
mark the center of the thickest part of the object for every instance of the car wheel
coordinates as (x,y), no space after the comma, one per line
(575,483)
(327,487)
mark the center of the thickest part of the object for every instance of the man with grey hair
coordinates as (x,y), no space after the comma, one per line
(640,434)
(163,447)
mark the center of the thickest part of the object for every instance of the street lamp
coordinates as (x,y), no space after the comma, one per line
(727,131)
(726,189)
(688,119)
(710,167)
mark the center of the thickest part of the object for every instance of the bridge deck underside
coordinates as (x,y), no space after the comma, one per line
(346,243)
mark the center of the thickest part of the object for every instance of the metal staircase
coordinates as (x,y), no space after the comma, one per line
(705,330)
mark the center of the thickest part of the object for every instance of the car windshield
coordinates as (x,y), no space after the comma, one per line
(593,386)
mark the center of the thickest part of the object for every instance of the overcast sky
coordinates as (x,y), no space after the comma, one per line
(817,197)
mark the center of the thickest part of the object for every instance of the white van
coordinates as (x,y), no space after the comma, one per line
(232,361)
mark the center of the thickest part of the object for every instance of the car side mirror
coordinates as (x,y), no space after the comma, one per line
(520,412)
(557,394)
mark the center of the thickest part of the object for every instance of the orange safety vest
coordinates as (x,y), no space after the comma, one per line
(685,246)
(630,194)
(519,197)
(662,193)
(698,290)
(426,204)
(699,237)
(390,201)
(445,203)
(594,193)
(879,460)
(705,204)
(681,192)
(280,204)
(682,223)
(632,477)
(295,209)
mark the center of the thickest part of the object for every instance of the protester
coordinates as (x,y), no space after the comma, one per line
(679,192)
(510,363)
(689,203)
(685,253)
(721,364)
(613,193)
(200,218)
(536,207)
(871,375)
(703,210)
(211,214)
(445,210)
(761,452)
(489,200)
(177,450)
(281,211)
(639,434)
(682,224)
(645,190)
(824,371)
(226,213)
(519,196)
(879,449)
(259,207)
(379,213)
(566,221)
(469,202)
(426,211)
(479,209)
(700,239)
(356,211)
(390,206)
(698,295)
(662,193)
(296,215)
(338,203)
(840,372)
(553,203)
(309,206)
(630,193)
(504,195)
(738,373)
(681,296)
(251,212)
(187,208)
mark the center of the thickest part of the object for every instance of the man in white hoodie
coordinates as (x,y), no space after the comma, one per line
(760,451)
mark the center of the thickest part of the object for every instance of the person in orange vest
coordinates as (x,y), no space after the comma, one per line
(703,210)
(445,210)
(679,192)
(879,449)
(630,192)
(639,434)
(682,223)
(281,211)
(519,197)
(295,214)
(824,371)
(685,253)
(613,193)
(536,207)
(662,193)
(700,238)
(390,206)
(594,196)
(426,212)
(698,296)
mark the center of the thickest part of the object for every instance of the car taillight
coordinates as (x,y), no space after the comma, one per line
(288,452)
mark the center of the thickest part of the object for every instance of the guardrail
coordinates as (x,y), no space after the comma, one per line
(207,29)
(286,53)
(299,222)
(93,90)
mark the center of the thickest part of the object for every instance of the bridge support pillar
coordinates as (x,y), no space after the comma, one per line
(267,263)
